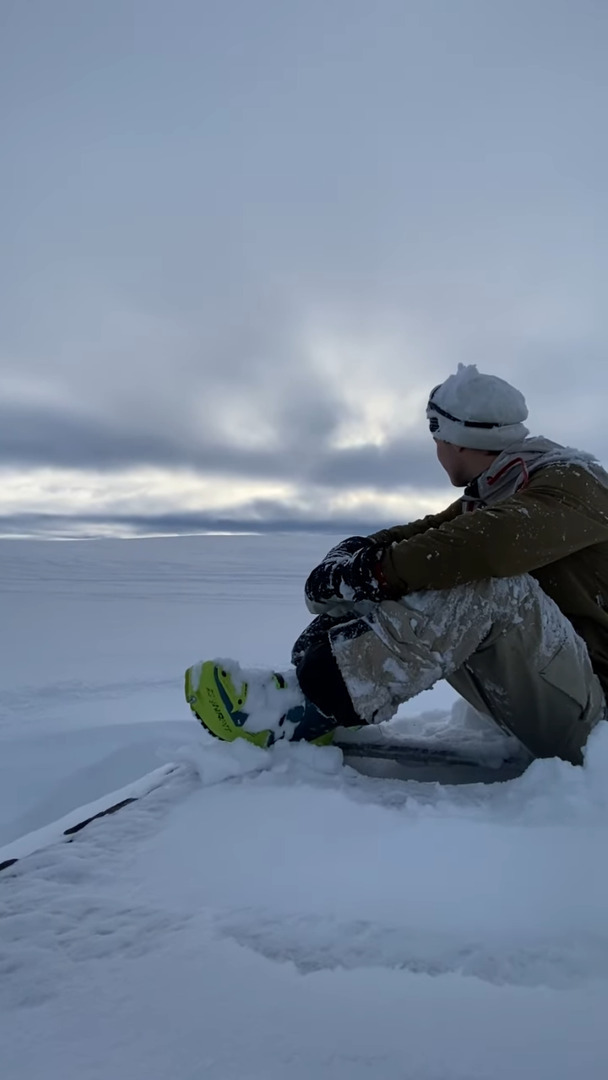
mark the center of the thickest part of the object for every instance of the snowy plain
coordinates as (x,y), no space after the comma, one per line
(264,915)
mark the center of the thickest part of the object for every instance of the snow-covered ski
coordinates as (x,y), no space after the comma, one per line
(70,824)
(402,759)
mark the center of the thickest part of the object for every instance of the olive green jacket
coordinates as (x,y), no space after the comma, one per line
(554,526)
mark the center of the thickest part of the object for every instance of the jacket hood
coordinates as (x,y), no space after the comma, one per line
(512,468)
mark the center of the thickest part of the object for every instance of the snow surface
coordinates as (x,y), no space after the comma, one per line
(264,915)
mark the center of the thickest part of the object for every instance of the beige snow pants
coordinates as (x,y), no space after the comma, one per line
(502,643)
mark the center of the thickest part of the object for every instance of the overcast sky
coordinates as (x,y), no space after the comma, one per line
(241,240)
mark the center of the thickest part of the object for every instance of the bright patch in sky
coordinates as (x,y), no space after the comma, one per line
(153,492)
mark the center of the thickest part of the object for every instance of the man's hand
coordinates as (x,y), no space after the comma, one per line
(350,571)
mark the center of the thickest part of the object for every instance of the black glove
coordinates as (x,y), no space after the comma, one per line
(348,572)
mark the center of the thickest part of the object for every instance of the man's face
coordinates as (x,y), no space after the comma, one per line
(453,460)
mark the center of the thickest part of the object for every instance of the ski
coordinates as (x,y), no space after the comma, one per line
(72,823)
(404,760)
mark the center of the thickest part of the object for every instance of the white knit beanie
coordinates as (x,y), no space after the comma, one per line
(481,412)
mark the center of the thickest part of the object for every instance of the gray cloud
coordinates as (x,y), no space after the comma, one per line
(35,437)
(132,525)
(272,223)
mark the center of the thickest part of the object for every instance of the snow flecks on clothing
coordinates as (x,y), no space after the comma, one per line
(513,467)
(427,636)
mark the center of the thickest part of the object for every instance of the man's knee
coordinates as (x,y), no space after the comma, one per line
(315,633)
(321,682)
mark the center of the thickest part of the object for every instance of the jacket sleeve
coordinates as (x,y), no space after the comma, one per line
(561,511)
(405,532)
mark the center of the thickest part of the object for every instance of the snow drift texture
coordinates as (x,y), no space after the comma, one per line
(269,914)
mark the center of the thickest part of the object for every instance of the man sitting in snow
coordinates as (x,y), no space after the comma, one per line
(504,594)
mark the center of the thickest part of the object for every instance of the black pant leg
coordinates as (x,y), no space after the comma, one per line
(320,679)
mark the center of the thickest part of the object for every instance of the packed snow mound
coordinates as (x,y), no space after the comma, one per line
(291,879)
(551,791)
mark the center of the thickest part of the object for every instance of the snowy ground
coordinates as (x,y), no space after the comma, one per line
(263,916)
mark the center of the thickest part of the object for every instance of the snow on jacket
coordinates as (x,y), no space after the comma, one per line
(540,509)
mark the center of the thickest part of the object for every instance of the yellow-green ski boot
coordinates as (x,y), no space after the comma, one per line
(225,698)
